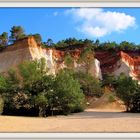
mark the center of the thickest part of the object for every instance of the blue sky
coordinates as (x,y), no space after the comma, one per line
(106,24)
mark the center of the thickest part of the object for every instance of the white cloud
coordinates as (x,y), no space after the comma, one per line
(97,23)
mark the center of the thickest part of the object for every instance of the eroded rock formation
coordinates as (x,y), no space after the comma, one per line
(127,62)
(28,49)
(115,62)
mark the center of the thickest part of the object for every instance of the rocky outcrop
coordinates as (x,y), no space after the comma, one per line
(132,60)
(28,49)
(117,62)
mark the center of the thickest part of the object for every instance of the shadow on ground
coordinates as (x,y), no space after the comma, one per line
(102,114)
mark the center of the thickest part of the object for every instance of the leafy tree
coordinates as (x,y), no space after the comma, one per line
(17,32)
(32,71)
(88,43)
(28,86)
(97,43)
(127,46)
(89,85)
(109,80)
(61,44)
(3,40)
(1,105)
(68,95)
(49,43)
(38,38)
(109,45)
(9,87)
(86,58)
(69,62)
(128,91)
(42,102)
(71,41)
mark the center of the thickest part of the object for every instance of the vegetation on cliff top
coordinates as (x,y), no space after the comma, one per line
(17,32)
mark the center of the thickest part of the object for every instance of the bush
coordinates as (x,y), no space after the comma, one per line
(128,91)
(28,87)
(1,105)
(111,97)
(89,85)
(68,95)
(41,102)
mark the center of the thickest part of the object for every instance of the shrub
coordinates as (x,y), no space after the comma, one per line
(89,85)
(128,91)
(28,87)
(1,105)
(111,97)
(41,102)
(68,95)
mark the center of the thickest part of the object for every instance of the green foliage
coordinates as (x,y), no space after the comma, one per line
(3,40)
(49,43)
(111,97)
(69,97)
(17,32)
(109,80)
(1,105)
(86,58)
(12,81)
(3,84)
(38,38)
(127,46)
(28,86)
(128,91)
(32,71)
(70,43)
(69,62)
(41,102)
(90,85)
(109,45)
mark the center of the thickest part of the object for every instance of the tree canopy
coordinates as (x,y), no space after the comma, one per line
(18,32)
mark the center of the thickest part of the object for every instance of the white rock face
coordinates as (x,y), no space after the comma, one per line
(98,72)
(124,68)
(28,49)
(94,69)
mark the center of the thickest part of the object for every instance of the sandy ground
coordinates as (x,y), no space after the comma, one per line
(88,121)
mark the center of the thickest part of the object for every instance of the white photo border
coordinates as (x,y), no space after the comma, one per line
(70,3)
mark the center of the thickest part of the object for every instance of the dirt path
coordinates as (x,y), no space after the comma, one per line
(88,121)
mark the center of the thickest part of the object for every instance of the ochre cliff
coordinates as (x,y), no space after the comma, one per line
(115,62)
(28,49)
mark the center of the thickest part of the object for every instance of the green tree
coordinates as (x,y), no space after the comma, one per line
(3,40)
(17,32)
(1,104)
(38,38)
(9,87)
(128,91)
(127,46)
(86,58)
(32,71)
(89,85)
(109,45)
(69,61)
(49,43)
(96,44)
(41,102)
(68,95)
(109,80)
(88,43)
